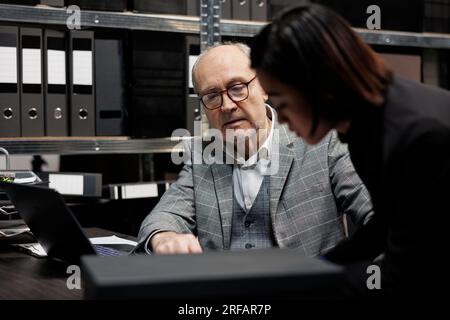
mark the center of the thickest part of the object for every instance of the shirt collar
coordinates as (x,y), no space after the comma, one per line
(262,156)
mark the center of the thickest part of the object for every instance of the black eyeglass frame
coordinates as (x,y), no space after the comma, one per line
(220,93)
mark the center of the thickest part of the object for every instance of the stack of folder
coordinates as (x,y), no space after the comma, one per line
(158,93)
(255,10)
(108,5)
(48,83)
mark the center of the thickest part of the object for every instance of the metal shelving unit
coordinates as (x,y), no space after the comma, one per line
(89,145)
(122,20)
(406,39)
(191,25)
(165,23)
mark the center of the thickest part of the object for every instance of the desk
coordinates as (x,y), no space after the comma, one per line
(26,277)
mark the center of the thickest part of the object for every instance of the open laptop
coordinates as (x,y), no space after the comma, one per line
(52,222)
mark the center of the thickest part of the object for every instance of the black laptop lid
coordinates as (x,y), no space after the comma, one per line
(50,220)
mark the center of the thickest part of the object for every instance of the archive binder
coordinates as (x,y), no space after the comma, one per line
(241,9)
(395,15)
(161,6)
(9,82)
(53,3)
(276,6)
(258,10)
(158,93)
(74,183)
(103,5)
(137,190)
(193,8)
(56,116)
(109,89)
(406,65)
(21,2)
(226,9)
(82,91)
(32,98)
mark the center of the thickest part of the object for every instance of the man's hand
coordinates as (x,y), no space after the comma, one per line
(169,242)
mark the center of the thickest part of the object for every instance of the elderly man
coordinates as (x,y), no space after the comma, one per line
(245,204)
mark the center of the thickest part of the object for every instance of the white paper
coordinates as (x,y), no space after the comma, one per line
(82,67)
(8,65)
(112,240)
(56,67)
(11,232)
(29,179)
(116,192)
(192,60)
(37,250)
(31,66)
(139,191)
(66,183)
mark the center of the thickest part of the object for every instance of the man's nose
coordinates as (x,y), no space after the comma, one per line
(227,104)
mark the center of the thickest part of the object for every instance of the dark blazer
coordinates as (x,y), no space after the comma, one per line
(402,153)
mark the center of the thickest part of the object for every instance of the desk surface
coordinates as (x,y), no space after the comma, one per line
(26,277)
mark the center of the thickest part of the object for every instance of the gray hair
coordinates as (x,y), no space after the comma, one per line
(242,46)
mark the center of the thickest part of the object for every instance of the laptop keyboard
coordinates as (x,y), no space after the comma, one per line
(106,251)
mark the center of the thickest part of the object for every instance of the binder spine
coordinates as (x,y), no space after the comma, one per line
(56,118)
(240,9)
(110,87)
(258,10)
(32,100)
(226,9)
(9,82)
(82,87)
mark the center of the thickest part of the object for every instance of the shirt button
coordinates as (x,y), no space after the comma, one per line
(249,246)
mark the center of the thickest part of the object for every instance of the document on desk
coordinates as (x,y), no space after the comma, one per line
(11,232)
(11,228)
(35,249)
(112,240)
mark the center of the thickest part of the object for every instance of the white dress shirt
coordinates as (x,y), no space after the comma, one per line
(248,177)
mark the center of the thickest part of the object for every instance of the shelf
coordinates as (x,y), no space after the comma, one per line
(107,19)
(190,25)
(405,39)
(89,145)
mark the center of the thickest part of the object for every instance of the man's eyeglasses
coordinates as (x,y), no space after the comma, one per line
(237,93)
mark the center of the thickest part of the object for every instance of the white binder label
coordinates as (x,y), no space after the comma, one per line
(140,191)
(31,66)
(82,67)
(66,183)
(8,65)
(56,67)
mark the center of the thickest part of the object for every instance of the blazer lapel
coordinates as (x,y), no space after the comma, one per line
(223,182)
(285,156)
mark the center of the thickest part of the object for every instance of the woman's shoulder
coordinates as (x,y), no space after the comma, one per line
(411,105)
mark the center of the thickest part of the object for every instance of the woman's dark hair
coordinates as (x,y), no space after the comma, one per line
(314,50)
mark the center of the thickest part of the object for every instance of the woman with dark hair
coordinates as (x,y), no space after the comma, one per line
(321,76)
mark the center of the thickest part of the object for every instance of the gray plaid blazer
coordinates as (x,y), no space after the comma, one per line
(312,188)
